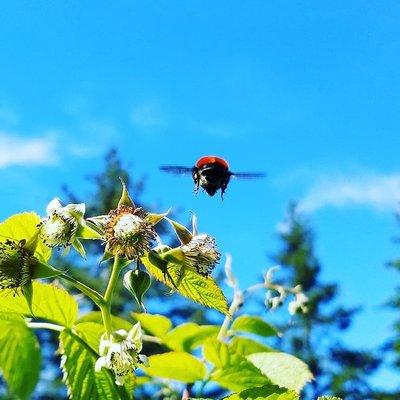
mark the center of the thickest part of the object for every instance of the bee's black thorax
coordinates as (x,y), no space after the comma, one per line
(211,177)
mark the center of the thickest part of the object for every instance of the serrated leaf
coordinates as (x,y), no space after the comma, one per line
(245,346)
(176,365)
(268,392)
(253,324)
(24,226)
(233,371)
(95,316)
(91,333)
(19,356)
(188,336)
(77,362)
(198,288)
(49,302)
(155,324)
(282,369)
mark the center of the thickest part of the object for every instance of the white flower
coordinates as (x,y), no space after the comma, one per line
(201,254)
(299,303)
(120,353)
(128,232)
(60,226)
(127,226)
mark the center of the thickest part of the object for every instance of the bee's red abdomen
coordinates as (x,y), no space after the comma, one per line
(212,160)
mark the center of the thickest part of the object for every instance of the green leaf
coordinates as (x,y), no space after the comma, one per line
(154,219)
(188,336)
(86,232)
(77,362)
(253,324)
(78,246)
(24,226)
(95,316)
(233,371)
(198,288)
(268,392)
(19,356)
(176,365)
(155,324)
(283,369)
(245,346)
(49,302)
(91,333)
(181,231)
(125,199)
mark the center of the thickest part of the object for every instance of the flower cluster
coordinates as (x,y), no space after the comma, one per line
(277,295)
(120,353)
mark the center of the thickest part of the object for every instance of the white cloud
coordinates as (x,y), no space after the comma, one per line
(17,150)
(380,192)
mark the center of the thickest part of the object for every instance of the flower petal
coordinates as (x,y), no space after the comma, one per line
(54,205)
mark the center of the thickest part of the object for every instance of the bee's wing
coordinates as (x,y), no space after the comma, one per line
(248,175)
(176,169)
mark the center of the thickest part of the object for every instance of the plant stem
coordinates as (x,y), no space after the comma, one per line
(105,307)
(45,325)
(153,339)
(116,269)
(91,293)
(236,303)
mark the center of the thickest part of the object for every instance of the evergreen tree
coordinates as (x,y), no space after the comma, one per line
(392,347)
(315,336)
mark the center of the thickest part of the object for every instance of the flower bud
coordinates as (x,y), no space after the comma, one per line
(137,282)
(15,265)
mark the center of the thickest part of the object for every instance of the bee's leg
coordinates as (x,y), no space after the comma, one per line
(223,188)
(196,183)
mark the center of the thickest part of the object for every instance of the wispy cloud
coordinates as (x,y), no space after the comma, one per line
(18,150)
(380,192)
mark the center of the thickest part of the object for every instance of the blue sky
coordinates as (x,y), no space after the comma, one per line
(307,91)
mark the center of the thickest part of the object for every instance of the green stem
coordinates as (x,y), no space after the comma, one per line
(112,283)
(107,299)
(153,339)
(236,303)
(91,293)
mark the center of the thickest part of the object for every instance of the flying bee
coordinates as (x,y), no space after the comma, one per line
(210,173)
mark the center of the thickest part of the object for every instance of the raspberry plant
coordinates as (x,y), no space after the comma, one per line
(102,355)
